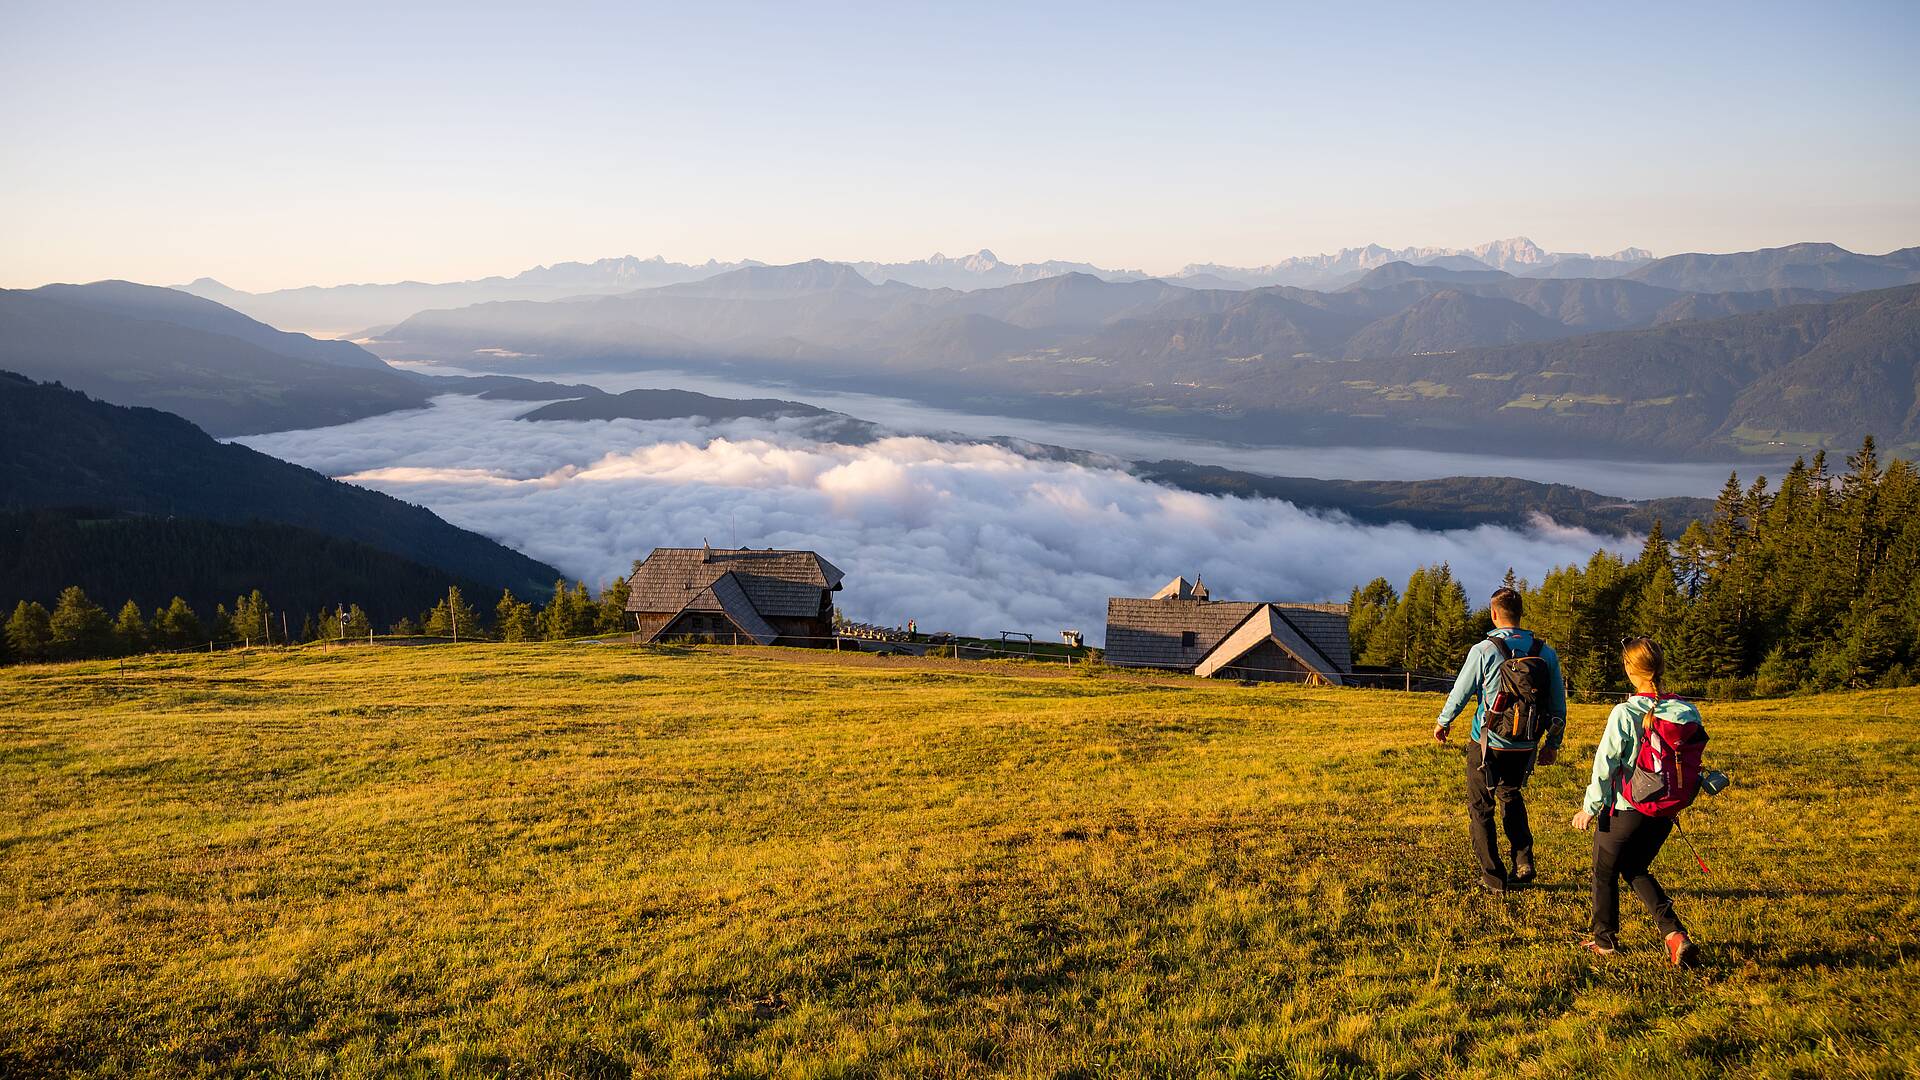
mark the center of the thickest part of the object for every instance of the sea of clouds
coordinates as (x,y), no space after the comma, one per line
(957,535)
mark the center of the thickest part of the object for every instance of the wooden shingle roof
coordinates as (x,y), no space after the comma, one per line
(1148,632)
(779,584)
(726,596)
(1269,622)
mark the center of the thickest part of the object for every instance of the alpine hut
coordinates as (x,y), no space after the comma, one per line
(739,595)
(1182,628)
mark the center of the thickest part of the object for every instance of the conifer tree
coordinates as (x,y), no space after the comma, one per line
(514,620)
(570,614)
(452,617)
(555,617)
(220,627)
(176,626)
(29,632)
(130,630)
(1658,605)
(611,616)
(249,618)
(80,628)
(1368,607)
(584,612)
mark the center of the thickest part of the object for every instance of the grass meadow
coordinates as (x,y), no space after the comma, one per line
(596,861)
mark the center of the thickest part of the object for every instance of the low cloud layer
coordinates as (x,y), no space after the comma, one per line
(961,536)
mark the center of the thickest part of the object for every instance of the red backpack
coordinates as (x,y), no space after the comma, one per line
(1665,774)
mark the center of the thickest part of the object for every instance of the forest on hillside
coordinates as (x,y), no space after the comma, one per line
(78,628)
(1810,583)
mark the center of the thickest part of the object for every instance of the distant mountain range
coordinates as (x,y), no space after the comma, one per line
(341,309)
(1379,360)
(336,310)
(1800,266)
(1518,256)
(140,345)
(1230,362)
(981,270)
(134,502)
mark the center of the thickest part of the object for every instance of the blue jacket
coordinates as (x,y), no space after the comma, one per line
(1480,677)
(1619,742)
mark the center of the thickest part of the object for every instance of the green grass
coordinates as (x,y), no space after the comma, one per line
(1752,439)
(1559,402)
(589,860)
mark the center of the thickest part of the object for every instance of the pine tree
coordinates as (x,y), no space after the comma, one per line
(554,618)
(1444,646)
(358,626)
(452,617)
(569,615)
(514,620)
(611,616)
(130,630)
(249,618)
(1658,605)
(29,632)
(1859,514)
(80,628)
(584,612)
(1367,608)
(220,627)
(176,626)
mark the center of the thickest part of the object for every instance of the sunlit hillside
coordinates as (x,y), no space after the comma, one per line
(596,860)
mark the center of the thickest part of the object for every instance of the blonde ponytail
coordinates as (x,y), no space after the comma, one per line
(1646,662)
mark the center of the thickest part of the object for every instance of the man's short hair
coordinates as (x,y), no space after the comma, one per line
(1506,604)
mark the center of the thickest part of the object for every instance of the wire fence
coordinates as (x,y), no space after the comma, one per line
(900,643)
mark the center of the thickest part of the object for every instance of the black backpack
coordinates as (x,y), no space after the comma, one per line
(1518,709)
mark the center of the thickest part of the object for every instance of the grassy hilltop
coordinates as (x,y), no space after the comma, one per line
(590,861)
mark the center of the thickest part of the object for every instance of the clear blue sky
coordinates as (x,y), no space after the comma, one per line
(275,144)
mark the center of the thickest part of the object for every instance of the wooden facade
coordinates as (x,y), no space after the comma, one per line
(1182,629)
(738,595)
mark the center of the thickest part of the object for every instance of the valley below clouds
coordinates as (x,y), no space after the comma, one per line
(959,535)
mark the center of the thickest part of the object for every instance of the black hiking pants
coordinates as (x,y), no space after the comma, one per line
(1623,850)
(1500,782)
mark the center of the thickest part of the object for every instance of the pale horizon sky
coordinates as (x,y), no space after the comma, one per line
(272,145)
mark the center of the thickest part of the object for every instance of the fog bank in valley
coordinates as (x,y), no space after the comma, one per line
(964,536)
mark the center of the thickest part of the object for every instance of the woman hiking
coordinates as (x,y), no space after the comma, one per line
(1628,839)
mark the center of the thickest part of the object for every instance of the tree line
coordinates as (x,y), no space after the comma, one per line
(1810,584)
(77,628)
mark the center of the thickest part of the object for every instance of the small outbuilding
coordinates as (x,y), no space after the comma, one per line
(1182,628)
(740,595)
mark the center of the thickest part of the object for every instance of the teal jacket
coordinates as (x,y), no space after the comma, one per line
(1614,756)
(1480,677)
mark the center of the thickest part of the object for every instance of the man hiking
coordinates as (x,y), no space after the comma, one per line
(1519,722)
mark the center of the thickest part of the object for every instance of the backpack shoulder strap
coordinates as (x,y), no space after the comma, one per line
(1500,646)
(1534,651)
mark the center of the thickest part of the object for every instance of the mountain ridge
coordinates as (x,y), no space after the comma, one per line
(60,448)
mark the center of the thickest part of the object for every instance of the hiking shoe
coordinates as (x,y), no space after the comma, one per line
(1496,886)
(1522,872)
(1681,949)
(1598,949)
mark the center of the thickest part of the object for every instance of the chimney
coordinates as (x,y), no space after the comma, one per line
(1199,589)
(706,551)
